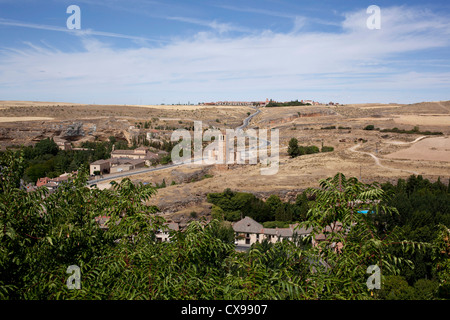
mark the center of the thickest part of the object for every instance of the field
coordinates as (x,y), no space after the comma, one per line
(370,155)
(433,149)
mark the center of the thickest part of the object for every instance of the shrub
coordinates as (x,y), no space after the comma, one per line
(232,216)
(327,149)
(276,224)
(312,149)
(293,149)
(217,213)
(166,159)
(370,127)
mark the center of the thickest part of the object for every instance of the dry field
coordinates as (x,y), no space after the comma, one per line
(66,111)
(368,155)
(20,119)
(432,149)
(24,123)
(424,120)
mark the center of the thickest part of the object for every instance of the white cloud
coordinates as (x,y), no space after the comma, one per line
(215,25)
(81,32)
(215,66)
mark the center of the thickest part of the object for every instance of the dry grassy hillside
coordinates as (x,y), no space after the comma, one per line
(369,155)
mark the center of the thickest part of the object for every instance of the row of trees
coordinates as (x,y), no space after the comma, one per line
(45,159)
(414,130)
(422,207)
(233,206)
(295,150)
(286,104)
(422,211)
(42,234)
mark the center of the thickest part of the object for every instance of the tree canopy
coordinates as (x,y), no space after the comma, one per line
(42,234)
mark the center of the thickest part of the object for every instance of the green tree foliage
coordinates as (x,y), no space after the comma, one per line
(286,104)
(301,207)
(41,234)
(351,243)
(312,149)
(424,215)
(326,149)
(293,148)
(274,202)
(236,205)
(46,146)
(284,213)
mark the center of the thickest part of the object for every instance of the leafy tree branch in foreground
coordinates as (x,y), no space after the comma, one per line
(41,234)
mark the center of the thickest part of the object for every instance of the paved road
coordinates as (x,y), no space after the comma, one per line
(128,173)
(247,120)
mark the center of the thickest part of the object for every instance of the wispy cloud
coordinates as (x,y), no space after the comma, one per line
(218,26)
(294,17)
(258,11)
(354,64)
(79,32)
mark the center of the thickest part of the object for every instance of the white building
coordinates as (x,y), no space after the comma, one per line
(164,235)
(248,231)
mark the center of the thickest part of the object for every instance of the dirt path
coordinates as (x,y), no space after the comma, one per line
(377,160)
(444,107)
(401,142)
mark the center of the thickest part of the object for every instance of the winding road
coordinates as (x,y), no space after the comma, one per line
(132,173)
(247,120)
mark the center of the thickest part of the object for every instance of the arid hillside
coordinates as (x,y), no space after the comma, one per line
(24,123)
(381,154)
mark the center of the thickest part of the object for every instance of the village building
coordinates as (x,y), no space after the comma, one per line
(163,235)
(223,153)
(120,165)
(248,232)
(42,181)
(53,183)
(141,153)
(124,160)
(64,145)
(237,103)
(100,167)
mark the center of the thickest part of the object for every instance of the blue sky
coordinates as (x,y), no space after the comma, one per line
(180,51)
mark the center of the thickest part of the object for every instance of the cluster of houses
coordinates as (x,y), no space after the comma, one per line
(248,231)
(237,103)
(121,160)
(253,103)
(52,183)
(125,160)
